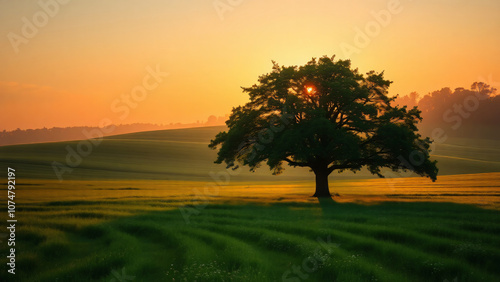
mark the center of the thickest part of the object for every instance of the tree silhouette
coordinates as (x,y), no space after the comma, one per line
(325,116)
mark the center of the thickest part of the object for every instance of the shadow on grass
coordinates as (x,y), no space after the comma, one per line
(326,202)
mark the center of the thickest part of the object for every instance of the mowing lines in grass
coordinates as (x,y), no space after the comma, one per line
(311,263)
(257,242)
(200,198)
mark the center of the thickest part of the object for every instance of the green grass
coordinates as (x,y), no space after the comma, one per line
(112,215)
(87,241)
(182,154)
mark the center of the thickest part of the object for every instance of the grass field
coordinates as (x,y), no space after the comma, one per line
(143,207)
(152,241)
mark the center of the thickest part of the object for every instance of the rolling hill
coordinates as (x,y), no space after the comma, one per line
(182,154)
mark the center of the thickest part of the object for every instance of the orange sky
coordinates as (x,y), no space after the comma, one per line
(70,63)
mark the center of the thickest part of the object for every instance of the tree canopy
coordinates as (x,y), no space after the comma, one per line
(325,116)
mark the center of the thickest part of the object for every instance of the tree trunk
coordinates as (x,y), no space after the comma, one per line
(322,189)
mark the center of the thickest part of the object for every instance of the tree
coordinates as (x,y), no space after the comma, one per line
(325,116)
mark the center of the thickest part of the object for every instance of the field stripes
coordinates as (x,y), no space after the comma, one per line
(85,241)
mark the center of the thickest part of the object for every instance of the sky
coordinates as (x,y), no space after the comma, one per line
(88,63)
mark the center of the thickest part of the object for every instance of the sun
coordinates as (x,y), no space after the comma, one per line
(310,89)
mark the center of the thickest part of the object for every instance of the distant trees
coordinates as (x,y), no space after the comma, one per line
(20,136)
(410,100)
(325,116)
(213,120)
(464,112)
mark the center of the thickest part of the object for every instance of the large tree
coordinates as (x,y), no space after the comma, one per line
(325,116)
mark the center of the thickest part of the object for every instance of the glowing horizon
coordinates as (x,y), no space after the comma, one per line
(162,62)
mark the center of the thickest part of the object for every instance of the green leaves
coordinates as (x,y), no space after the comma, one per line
(324,115)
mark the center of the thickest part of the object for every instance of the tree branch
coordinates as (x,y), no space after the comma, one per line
(294,163)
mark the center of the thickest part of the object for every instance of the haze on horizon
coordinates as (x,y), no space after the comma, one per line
(71,70)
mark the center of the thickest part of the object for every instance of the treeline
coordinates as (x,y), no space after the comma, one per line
(56,134)
(462,112)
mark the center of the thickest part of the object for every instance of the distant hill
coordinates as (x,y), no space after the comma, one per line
(183,154)
(84,132)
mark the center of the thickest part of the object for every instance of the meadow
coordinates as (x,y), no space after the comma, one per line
(144,207)
(238,240)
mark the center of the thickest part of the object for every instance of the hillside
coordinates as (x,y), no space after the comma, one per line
(182,154)
(60,134)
